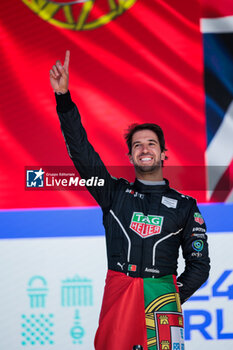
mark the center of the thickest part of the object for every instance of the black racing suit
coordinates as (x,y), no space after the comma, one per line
(145,225)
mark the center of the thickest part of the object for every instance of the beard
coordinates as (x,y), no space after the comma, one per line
(148,168)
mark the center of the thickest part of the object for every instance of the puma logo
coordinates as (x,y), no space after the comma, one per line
(121,265)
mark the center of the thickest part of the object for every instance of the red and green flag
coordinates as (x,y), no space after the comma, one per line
(143,311)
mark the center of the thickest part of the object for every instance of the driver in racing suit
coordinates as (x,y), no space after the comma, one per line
(145,222)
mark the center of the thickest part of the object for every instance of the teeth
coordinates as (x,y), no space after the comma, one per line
(145,159)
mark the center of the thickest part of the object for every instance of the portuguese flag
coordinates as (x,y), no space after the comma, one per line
(131,61)
(140,311)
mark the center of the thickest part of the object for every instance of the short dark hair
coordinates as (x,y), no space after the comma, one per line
(146,126)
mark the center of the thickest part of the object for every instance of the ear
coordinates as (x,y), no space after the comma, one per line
(163,156)
(130,159)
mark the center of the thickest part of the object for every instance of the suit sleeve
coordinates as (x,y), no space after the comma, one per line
(195,252)
(81,152)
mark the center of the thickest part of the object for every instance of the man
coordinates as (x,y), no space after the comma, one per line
(146,222)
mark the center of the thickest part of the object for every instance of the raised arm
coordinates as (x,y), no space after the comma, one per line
(81,152)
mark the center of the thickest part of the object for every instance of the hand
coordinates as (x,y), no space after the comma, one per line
(59,75)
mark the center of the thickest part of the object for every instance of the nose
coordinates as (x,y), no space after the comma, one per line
(144,149)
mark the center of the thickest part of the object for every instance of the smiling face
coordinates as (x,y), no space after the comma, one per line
(146,155)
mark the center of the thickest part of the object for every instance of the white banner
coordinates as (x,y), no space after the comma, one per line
(51,292)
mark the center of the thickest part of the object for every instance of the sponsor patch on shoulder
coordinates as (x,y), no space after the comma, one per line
(169,202)
(198,218)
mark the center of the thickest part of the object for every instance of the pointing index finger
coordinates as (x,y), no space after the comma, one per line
(67,60)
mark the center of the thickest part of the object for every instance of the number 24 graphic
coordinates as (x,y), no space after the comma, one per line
(215,288)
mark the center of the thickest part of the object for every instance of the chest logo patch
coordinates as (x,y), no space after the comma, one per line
(146,226)
(169,202)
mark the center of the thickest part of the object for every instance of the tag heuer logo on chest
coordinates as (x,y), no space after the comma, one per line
(146,226)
